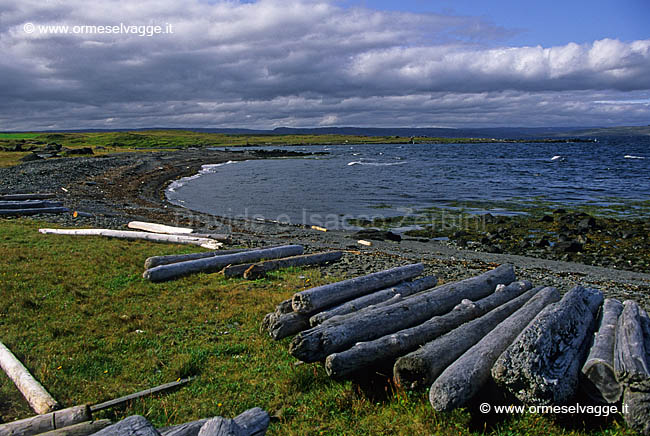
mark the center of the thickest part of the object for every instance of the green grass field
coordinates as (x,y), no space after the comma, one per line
(78,314)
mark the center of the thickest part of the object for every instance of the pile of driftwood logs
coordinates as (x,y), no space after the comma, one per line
(29,204)
(456,337)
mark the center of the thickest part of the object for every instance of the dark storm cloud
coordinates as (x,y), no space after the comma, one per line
(300,62)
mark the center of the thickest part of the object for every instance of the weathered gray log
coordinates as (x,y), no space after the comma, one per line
(253,422)
(29,204)
(134,425)
(158,228)
(81,429)
(253,271)
(321,297)
(125,234)
(219,426)
(636,410)
(175,258)
(421,367)
(217,263)
(38,398)
(333,336)
(542,365)
(34,211)
(631,359)
(50,421)
(146,392)
(20,197)
(390,347)
(404,289)
(598,379)
(460,381)
(287,324)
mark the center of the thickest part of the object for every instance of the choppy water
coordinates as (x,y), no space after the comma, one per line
(384,180)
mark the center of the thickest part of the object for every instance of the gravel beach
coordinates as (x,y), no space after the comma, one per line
(119,188)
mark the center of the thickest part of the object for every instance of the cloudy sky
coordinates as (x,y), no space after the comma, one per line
(304,63)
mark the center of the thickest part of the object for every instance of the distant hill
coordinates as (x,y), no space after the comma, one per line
(614,131)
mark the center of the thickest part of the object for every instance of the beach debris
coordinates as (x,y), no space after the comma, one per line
(38,398)
(125,399)
(364,242)
(133,235)
(47,422)
(252,271)
(13,205)
(158,228)
(319,228)
(31,196)
(82,429)
(154,261)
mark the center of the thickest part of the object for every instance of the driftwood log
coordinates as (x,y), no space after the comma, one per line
(125,234)
(135,425)
(154,261)
(542,365)
(34,211)
(81,429)
(636,410)
(158,228)
(20,197)
(468,374)
(252,271)
(390,347)
(421,367)
(318,342)
(252,422)
(28,204)
(321,297)
(146,392)
(403,289)
(46,422)
(631,359)
(598,379)
(217,263)
(38,398)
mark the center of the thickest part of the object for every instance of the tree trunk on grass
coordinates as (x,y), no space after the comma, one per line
(404,289)
(217,263)
(542,365)
(252,271)
(421,367)
(135,425)
(631,358)
(38,398)
(50,421)
(318,298)
(253,422)
(125,234)
(636,410)
(598,379)
(318,342)
(154,261)
(81,429)
(468,374)
(390,347)
(158,228)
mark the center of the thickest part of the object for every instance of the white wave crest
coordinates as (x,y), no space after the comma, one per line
(375,164)
(205,169)
(631,156)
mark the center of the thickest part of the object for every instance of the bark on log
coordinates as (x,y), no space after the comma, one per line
(598,380)
(287,324)
(29,204)
(631,359)
(20,197)
(542,365)
(390,347)
(219,426)
(81,429)
(467,375)
(50,421)
(38,398)
(260,269)
(636,410)
(135,425)
(154,261)
(253,422)
(404,289)
(217,263)
(34,211)
(421,367)
(125,234)
(158,228)
(318,342)
(321,297)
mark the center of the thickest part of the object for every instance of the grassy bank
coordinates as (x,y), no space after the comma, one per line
(78,314)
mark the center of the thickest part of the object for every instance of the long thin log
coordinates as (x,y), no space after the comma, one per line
(252,271)
(321,297)
(631,359)
(34,211)
(598,380)
(50,421)
(390,347)
(158,228)
(460,381)
(154,261)
(81,429)
(542,366)
(29,204)
(134,425)
(38,398)
(253,422)
(333,336)
(20,197)
(404,289)
(421,367)
(125,399)
(636,410)
(217,263)
(122,234)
